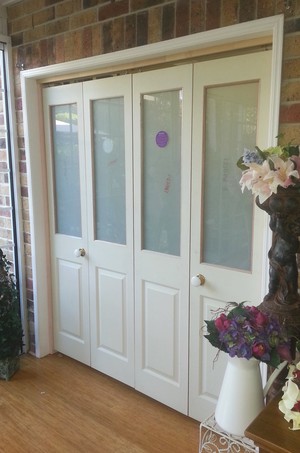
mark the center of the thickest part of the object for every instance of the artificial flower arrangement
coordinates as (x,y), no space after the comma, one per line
(290,401)
(266,170)
(245,331)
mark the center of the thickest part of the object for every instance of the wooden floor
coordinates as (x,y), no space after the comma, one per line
(56,404)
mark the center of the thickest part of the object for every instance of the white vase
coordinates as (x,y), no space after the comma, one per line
(241,397)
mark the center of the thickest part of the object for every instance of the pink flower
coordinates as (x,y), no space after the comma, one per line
(284,352)
(222,323)
(259,349)
(296,407)
(261,319)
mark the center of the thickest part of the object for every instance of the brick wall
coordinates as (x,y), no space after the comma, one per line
(45,32)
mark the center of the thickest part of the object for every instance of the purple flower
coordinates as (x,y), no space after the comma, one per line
(247,332)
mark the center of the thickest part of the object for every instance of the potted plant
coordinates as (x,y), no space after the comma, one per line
(249,337)
(10,322)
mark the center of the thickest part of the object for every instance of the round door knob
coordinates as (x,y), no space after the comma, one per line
(79,252)
(198,280)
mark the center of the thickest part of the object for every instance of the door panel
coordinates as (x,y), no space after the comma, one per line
(63,117)
(108,115)
(162,140)
(231,102)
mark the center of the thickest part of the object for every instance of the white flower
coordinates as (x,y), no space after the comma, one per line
(256,180)
(281,175)
(291,397)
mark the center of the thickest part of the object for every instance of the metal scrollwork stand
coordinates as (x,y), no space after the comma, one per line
(214,440)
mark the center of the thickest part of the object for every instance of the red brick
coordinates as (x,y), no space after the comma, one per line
(229,14)
(130,31)
(265,8)
(83,19)
(136,5)
(247,10)
(291,69)
(30,6)
(35,54)
(58,26)
(59,49)
(15,11)
(291,46)
(51,50)
(21,24)
(213,13)
(96,40)
(168,22)
(142,28)
(182,17)
(111,10)
(197,15)
(290,113)
(87,43)
(106,36)
(154,24)
(68,47)
(43,16)
(290,91)
(66,8)
(76,37)
(90,3)
(22,167)
(291,132)
(118,34)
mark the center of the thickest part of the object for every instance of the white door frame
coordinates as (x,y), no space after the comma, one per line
(206,42)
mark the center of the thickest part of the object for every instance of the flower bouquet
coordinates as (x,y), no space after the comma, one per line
(246,332)
(290,401)
(266,170)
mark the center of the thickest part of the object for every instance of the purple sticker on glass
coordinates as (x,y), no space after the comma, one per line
(162,139)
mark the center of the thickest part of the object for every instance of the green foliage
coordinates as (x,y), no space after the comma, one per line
(10,322)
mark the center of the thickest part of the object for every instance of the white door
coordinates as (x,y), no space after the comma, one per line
(231,102)
(162,102)
(63,116)
(91,222)
(108,132)
(126,306)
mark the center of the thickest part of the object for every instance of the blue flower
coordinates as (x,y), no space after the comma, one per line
(251,156)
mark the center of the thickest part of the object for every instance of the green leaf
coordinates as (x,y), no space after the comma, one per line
(274,359)
(241,165)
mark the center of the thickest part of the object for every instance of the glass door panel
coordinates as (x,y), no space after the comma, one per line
(109,170)
(230,126)
(66,170)
(161,129)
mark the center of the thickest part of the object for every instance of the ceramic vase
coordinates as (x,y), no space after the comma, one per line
(241,397)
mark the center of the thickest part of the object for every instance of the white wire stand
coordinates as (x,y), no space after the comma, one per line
(215,440)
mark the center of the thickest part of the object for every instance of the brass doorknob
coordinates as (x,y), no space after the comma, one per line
(198,280)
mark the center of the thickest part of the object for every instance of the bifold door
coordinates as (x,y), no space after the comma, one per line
(143,196)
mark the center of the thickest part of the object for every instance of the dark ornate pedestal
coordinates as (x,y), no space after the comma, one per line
(283,298)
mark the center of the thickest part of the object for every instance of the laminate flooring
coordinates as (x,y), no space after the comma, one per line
(56,404)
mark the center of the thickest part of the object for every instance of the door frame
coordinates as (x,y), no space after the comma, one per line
(235,37)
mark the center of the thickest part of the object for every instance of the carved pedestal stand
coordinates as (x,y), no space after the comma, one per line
(283,299)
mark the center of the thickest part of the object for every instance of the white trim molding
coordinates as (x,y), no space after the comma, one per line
(31,81)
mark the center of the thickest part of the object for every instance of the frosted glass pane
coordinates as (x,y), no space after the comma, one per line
(231,115)
(109,170)
(66,170)
(161,171)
